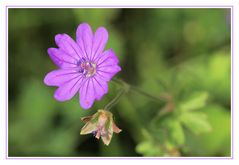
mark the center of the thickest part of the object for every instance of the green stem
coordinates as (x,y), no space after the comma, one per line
(115,100)
(126,87)
(142,92)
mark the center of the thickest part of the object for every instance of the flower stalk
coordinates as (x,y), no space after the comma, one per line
(126,87)
(164,97)
(115,100)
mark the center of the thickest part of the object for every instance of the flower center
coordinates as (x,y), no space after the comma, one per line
(87,68)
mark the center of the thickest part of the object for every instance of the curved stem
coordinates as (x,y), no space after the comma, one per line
(115,100)
(126,87)
(142,92)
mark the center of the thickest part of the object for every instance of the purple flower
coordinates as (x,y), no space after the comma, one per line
(84,66)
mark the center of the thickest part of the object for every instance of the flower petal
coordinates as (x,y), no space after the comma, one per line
(107,58)
(93,88)
(61,59)
(87,94)
(108,72)
(106,136)
(115,128)
(68,45)
(89,127)
(84,38)
(59,77)
(99,42)
(86,119)
(67,90)
(100,87)
(107,65)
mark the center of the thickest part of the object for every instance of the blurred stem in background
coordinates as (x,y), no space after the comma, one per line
(116,99)
(125,87)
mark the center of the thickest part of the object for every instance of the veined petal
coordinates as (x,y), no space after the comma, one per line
(107,58)
(93,88)
(100,87)
(108,72)
(87,94)
(67,90)
(60,76)
(61,59)
(99,42)
(107,65)
(68,45)
(84,38)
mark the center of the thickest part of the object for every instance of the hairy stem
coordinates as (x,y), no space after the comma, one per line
(142,92)
(115,100)
(126,87)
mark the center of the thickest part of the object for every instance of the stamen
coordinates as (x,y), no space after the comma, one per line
(87,68)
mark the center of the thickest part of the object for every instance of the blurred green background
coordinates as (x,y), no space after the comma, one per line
(184,54)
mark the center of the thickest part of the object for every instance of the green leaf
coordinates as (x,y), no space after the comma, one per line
(219,75)
(196,122)
(195,101)
(216,142)
(176,132)
(170,129)
(149,148)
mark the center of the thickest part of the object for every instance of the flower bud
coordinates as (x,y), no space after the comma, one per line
(100,124)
